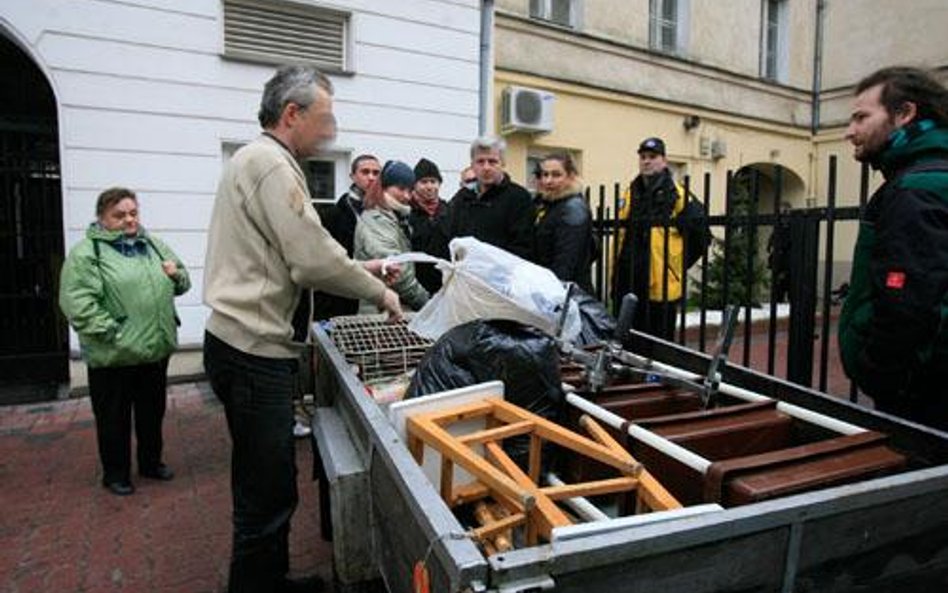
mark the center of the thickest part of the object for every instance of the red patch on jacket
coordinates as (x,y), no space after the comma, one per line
(895,280)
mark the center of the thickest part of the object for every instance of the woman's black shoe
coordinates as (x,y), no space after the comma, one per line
(120,488)
(162,472)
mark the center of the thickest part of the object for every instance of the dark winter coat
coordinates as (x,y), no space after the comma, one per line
(424,238)
(893,328)
(340,221)
(563,238)
(502,216)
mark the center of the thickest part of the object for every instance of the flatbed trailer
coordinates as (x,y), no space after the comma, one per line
(387,519)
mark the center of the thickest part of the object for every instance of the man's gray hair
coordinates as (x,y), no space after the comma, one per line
(485,143)
(290,84)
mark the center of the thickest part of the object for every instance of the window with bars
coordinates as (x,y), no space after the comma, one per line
(773,50)
(562,12)
(280,32)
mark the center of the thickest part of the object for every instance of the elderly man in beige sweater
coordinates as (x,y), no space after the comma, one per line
(265,245)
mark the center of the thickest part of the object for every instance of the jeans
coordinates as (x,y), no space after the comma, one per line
(116,393)
(257,394)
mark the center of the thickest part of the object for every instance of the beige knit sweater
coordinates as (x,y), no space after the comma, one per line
(264,245)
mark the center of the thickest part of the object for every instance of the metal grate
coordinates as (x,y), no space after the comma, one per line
(380,349)
(280,32)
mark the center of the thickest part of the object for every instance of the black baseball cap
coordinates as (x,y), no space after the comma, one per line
(655,145)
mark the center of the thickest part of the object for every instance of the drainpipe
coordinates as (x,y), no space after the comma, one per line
(817,66)
(485,116)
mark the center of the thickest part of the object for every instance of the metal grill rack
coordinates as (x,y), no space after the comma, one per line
(380,349)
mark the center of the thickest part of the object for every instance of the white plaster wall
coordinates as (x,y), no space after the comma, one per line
(146,100)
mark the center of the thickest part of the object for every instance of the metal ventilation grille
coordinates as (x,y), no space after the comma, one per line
(380,349)
(282,32)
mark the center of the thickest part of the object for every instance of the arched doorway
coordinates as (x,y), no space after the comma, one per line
(34,341)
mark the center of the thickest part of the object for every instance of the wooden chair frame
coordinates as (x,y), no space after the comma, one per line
(497,476)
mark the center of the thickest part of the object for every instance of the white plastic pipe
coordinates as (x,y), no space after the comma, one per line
(676,452)
(804,414)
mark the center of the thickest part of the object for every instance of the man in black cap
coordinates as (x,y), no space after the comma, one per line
(650,247)
(428,211)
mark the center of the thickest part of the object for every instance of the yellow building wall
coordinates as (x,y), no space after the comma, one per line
(605,128)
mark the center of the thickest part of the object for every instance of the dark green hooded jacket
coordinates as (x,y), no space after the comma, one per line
(119,300)
(893,329)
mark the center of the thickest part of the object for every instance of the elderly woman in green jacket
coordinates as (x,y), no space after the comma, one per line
(117,289)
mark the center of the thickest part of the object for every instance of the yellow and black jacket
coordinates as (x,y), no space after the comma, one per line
(647,263)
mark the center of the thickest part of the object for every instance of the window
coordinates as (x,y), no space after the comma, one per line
(279,32)
(321,179)
(773,50)
(324,174)
(561,12)
(667,25)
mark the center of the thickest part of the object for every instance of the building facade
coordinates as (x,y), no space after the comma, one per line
(156,94)
(738,85)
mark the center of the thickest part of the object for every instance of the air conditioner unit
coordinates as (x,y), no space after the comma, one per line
(526,110)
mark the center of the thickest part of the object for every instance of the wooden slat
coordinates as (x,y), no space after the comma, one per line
(602,436)
(561,436)
(457,414)
(498,526)
(594,488)
(497,434)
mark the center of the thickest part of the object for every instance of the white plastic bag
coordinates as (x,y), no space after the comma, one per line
(486,282)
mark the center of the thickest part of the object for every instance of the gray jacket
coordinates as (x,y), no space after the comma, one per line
(379,234)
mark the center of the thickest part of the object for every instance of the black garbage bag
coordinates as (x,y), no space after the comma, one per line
(598,325)
(524,358)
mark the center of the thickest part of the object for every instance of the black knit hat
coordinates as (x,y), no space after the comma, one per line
(425,168)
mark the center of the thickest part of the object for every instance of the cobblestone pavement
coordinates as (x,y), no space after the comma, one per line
(60,531)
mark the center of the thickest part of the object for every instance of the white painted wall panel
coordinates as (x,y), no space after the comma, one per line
(98,169)
(461,15)
(145,100)
(140,132)
(139,95)
(410,124)
(401,65)
(140,25)
(429,38)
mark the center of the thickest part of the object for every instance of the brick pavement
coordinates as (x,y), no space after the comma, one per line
(60,531)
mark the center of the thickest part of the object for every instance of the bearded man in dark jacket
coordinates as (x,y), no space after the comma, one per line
(893,328)
(496,210)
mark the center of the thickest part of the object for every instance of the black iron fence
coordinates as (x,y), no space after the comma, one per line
(795,334)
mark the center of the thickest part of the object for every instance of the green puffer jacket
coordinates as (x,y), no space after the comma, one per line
(893,329)
(119,300)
